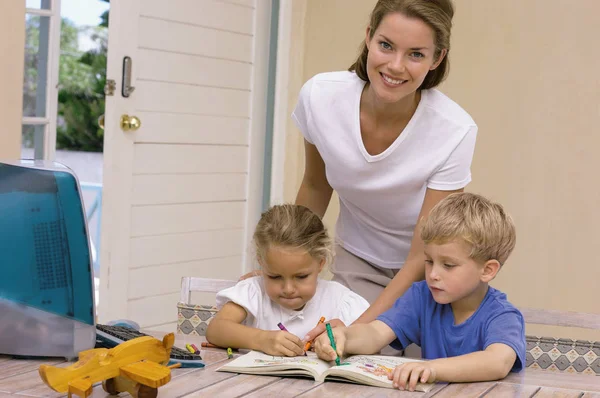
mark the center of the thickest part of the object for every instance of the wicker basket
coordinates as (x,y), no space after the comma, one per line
(563,355)
(194,319)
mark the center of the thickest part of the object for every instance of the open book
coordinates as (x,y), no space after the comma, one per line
(371,370)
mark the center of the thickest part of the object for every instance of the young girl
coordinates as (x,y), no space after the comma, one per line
(292,247)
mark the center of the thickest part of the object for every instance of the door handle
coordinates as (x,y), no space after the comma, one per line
(130,123)
(126,87)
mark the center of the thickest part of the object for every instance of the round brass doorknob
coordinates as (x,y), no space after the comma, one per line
(101,122)
(130,123)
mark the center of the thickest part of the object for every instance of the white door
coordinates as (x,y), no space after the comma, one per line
(183,192)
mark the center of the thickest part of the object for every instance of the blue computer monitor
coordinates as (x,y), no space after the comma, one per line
(46,281)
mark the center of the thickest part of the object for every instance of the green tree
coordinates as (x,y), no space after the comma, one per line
(82,78)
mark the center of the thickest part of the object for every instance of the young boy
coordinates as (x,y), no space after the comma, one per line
(467,329)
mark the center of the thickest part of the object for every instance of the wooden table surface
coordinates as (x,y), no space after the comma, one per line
(19,378)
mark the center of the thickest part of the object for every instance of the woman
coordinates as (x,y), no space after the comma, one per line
(390,144)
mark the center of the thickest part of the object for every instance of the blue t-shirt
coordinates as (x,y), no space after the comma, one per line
(417,318)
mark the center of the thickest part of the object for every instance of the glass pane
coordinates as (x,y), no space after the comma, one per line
(38,4)
(37,32)
(32,143)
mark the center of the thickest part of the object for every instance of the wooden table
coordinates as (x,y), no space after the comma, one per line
(19,378)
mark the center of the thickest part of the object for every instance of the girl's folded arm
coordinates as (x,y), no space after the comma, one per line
(226,329)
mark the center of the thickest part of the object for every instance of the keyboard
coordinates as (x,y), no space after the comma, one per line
(110,336)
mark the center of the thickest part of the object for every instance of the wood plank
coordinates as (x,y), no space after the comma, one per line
(185,39)
(165,249)
(205,13)
(166,279)
(546,392)
(332,388)
(18,366)
(6,395)
(238,386)
(156,65)
(188,188)
(186,158)
(590,395)
(192,129)
(561,318)
(190,99)
(194,381)
(25,381)
(154,310)
(245,3)
(501,390)
(286,387)
(182,218)
(555,379)
(467,390)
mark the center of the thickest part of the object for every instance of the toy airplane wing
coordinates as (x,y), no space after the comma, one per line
(147,373)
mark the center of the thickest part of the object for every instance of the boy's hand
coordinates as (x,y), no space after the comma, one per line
(280,343)
(250,275)
(406,376)
(323,346)
(320,329)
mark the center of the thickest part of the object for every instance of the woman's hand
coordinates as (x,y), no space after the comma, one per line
(280,343)
(323,346)
(407,375)
(320,329)
(250,274)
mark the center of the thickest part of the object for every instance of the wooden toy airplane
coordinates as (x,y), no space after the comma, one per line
(137,366)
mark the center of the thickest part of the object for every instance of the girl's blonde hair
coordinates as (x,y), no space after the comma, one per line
(292,226)
(437,14)
(478,221)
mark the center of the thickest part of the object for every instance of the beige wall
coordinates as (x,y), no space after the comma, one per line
(528,74)
(12,47)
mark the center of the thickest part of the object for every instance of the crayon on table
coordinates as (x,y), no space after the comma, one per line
(332,341)
(195,348)
(190,349)
(229,353)
(309,343)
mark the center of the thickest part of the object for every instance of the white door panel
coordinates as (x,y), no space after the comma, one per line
(182,193)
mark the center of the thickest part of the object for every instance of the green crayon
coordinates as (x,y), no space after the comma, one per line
(332,341)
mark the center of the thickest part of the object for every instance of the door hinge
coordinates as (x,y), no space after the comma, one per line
(109,87)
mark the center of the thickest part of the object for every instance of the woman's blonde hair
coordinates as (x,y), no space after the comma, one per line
(437,14)
(478,221)
(292,226)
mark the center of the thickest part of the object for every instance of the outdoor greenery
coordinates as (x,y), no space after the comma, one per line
(82,76)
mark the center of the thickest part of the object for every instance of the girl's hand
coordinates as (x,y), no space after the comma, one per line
(406,376)
(320,329)
(280,343)
(323,346)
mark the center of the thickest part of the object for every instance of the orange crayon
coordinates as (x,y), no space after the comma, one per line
(309,343)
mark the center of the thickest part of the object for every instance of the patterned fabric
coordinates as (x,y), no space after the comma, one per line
(563,355)
(194,319)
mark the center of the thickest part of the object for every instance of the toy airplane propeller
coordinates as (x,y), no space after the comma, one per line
(137,366)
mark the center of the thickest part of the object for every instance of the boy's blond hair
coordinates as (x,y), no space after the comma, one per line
(478,221)
(292,226)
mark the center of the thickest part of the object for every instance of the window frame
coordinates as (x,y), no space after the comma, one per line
(47,149)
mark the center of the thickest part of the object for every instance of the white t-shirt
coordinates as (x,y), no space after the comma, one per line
(381,195)
(331,300)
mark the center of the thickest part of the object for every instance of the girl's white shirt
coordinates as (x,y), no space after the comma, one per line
(381,195)
(331,300)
